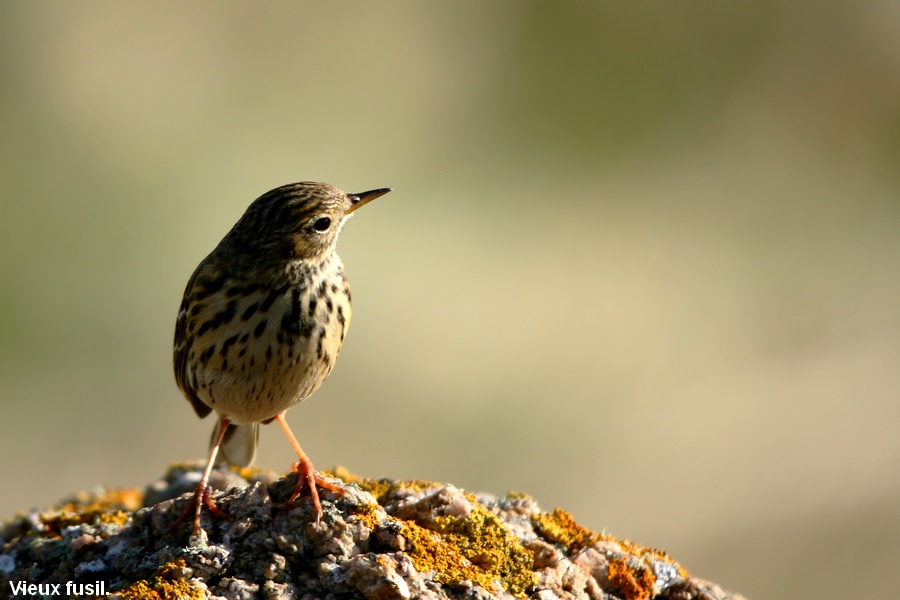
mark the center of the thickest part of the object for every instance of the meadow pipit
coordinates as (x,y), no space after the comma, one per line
(262,321)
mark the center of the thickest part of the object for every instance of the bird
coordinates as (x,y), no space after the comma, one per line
(262,321)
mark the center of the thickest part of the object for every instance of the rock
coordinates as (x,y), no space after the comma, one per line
(380,540)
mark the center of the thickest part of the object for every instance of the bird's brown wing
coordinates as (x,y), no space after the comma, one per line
(182,347)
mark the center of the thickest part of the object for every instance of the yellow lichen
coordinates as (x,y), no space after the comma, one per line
(168,583)
(518,495)
(368,515)
(430,552)
(342,473)
(379,488)
(478,548)
(176,468)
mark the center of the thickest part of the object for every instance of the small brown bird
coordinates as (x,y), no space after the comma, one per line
(262,321)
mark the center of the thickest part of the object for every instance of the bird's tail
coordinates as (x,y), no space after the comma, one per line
(239,445)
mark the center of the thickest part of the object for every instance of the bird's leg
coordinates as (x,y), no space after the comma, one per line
(201,494)
(306,473)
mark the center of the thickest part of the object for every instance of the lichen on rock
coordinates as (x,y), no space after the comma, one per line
(381,539)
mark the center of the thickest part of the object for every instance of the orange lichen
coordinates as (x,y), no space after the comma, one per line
(117,517)
(128,499)
(248,473)
(560,527)
(111,506)
(168,583)
(633,583)
(647,553)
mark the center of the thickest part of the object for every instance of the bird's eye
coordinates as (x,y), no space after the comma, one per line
(322,224)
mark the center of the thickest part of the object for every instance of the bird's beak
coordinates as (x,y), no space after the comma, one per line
(357,200)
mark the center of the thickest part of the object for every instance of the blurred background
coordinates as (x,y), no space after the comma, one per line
(641,261)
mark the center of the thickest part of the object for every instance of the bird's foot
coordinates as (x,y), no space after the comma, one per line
(308,477)
(201,498)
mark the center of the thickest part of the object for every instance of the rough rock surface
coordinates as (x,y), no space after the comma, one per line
(381,540)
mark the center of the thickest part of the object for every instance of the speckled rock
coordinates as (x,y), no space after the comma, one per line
(380,540)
